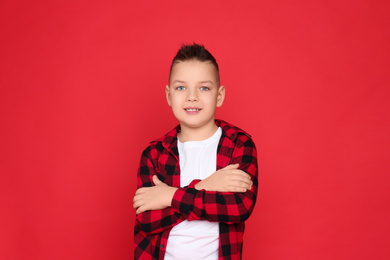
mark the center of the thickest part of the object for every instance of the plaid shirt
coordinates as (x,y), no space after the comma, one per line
(230,209)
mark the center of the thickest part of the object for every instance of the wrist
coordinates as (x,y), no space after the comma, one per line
(200,185)
(172,191)
(193,183)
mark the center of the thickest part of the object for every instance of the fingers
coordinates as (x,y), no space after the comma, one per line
(240,176)
(237,189)
(231,166)
(230,179)
(156,181)
(140,210)
(137,200)
(140,191)
(243,186)
(239,181)
(136,204)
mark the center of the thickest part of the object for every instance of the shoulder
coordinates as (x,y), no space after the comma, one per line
(239,137)
(165,142)
(232,131)
(154,147)
(168,138)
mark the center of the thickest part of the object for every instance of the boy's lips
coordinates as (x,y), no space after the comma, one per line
(192,110)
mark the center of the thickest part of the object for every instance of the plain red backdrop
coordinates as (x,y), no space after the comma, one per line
(82,93)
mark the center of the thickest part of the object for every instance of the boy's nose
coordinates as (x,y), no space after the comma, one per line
(192,96)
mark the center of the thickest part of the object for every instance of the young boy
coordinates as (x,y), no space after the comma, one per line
(198,183)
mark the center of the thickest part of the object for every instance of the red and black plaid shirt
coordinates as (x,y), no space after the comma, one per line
(230,209)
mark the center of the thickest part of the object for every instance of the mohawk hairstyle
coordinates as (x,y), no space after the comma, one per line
(194,52)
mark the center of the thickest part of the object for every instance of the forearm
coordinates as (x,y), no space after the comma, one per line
(195,202)
(148,220)
(153,198)
(230,207)
(214,206)
(156,221)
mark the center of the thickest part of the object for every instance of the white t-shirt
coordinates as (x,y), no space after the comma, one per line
(198,239)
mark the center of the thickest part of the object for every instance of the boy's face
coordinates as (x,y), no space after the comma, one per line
(194,93)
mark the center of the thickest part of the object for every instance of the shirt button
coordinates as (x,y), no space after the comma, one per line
(176,173)
(162,246)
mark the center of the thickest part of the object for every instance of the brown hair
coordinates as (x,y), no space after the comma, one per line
(194,52)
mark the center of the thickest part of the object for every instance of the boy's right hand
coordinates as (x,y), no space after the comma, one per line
(228,179)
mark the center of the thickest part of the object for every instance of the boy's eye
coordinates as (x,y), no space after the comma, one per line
(180,88)
(204,88)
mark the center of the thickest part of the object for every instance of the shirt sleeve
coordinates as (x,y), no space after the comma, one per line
(227,207)
(154,221)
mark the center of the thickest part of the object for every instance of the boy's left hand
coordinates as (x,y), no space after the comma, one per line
(153,198)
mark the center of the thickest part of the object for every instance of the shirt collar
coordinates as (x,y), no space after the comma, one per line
(230,131)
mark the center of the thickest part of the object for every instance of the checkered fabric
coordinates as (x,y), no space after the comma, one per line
(161,158)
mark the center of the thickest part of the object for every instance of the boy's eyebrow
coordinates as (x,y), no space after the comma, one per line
(179,81)
(206,81)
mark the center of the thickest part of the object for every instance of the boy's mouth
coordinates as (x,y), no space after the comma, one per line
(191,109)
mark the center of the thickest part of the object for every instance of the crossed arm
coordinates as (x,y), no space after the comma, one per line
(228,195)
(228,179)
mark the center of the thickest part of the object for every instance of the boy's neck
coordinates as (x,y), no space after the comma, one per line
(196,134)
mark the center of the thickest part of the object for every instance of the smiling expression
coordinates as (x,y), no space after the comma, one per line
(194,93)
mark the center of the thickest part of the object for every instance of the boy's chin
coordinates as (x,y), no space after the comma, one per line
(198,125)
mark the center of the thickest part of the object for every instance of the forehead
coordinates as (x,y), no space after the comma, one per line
(194,70)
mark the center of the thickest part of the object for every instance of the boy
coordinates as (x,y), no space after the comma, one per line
(198,183)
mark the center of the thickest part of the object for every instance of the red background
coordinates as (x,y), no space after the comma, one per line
(82,93)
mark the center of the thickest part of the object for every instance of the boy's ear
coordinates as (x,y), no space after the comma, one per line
(221,96)
(168,95)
